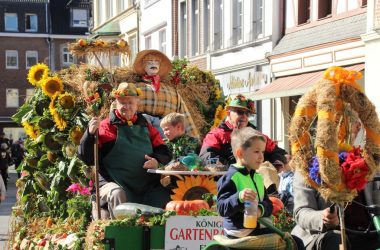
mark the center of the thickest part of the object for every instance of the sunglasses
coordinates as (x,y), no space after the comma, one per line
(242,112)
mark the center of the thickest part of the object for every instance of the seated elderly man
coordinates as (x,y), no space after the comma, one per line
(217,143)
(128,146)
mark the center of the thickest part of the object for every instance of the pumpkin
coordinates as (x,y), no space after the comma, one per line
(277,205)
(184,207)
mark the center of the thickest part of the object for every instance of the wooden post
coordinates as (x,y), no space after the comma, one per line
(342,246)
(96,156)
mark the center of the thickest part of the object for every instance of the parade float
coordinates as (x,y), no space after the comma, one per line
(53,210)
(55,191)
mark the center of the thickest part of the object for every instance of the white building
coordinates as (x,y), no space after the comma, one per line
(116,19)
(156,26)
(232,38)
(372,53)
(318,34)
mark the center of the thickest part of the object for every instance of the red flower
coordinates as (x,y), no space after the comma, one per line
(355,170)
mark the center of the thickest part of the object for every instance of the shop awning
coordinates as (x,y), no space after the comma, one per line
(293,85)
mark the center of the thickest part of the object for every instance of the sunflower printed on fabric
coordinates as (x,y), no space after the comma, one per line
(37,74)
(52,85)
(193,187)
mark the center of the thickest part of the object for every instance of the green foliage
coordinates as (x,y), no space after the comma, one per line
(284,221)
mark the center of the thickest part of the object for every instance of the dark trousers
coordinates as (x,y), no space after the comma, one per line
(4,174)
(332,239)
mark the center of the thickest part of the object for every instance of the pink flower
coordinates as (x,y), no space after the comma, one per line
(79,189)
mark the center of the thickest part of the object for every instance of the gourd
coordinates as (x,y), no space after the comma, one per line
(185,207)
(124,210)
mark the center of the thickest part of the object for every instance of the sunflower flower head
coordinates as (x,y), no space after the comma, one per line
(32,131)
(58,119)
(76,134)
(66,101)
(52,85)
(37,74)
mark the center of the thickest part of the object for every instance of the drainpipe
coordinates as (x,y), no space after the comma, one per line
(136,6)
(48,31)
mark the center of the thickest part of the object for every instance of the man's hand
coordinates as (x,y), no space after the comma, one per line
(2,197)
(151,162)
(331,220)
(93,125)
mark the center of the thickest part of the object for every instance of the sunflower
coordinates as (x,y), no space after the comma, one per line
(193,187)
(220,114)
(37,74)
(31,130)
(52,85)
(66,100)
(59,121)
(76,134)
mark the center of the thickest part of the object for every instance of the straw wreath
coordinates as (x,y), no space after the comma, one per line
(325,102)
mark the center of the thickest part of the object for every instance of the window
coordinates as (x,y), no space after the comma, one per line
(257,19)
(194,27)
(182,29)
(31,58)
(29,94)
(11,59)
(11,22)
(237,21)
(12,98)
(218,24)
(303,11)
(30,22)
(132,40)
(148,42)
(324,8)
(79,18)
(67,58)
(206,24)
(162,40)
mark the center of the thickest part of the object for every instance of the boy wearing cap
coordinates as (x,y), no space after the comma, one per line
(128,146)
(217,143)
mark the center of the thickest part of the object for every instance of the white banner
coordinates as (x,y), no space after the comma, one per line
(191,233)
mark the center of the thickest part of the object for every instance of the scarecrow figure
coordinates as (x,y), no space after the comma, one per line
(159,98)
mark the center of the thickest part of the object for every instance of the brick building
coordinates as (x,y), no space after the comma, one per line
(34,31)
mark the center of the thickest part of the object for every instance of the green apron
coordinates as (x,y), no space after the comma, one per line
(124,164)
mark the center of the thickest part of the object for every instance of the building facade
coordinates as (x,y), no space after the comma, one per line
(156,26)
(115,19)
(233,39)
(34,31)
(318,34)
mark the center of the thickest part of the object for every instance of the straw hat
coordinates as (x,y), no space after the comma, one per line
(126,89)
(242,103)
(165,64)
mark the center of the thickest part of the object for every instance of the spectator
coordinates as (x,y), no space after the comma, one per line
(318,226)
(18,152)
(128,146)
(217,143)
(285,188)
(3,190)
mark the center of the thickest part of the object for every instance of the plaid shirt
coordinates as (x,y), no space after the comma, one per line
(165,101)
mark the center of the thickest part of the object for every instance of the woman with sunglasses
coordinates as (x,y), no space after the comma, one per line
(217,143)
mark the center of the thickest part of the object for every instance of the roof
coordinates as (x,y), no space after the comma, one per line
(294,85)
(341,29)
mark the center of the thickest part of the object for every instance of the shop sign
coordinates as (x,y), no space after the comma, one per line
(191,233)
(243,81)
